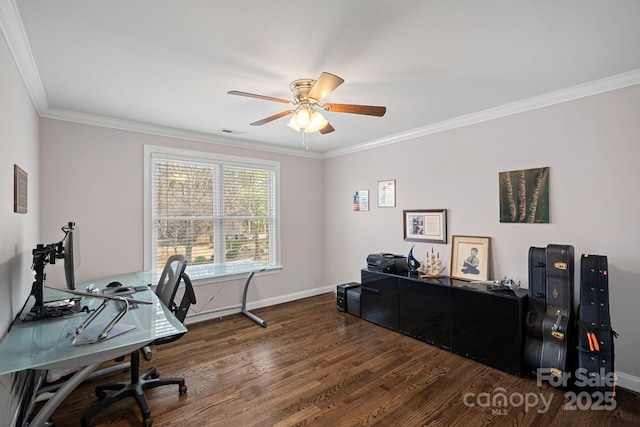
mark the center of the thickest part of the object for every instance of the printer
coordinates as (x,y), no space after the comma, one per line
(387,263)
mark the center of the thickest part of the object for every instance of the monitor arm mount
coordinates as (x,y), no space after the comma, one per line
(42,255)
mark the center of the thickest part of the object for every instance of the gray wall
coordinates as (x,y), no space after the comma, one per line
(18,232)
(591,146)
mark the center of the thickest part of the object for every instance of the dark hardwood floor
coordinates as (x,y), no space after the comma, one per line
(316,366)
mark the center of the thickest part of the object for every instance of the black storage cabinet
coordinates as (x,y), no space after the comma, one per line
(455,315)
(424,312)
(489,327)
(379,299)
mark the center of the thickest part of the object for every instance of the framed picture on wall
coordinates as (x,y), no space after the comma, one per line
(20,190)
(387,193)
(361,201)
(426,225)
(524,196)
(470,257)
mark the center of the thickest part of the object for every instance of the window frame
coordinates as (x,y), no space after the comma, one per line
(153,151)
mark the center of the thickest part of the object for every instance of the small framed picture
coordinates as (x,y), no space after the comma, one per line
(361,201)
(19,190)
(470,258)
(387,193)
(426,225)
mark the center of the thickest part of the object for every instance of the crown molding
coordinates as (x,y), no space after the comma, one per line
(595,87)
(146,128)
(18,43)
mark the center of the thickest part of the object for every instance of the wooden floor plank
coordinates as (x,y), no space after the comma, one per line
(314,365)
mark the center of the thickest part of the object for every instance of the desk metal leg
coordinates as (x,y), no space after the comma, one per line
(122,367)
(247,313)
(47,410)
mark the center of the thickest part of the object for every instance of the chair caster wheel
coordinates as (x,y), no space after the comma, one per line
(147,422)
(101,394)
(182,390)
(88,423)
(155,375)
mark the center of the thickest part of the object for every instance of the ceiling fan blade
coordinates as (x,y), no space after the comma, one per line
(271,118)
(326,129)
(369,110)
(266,98)
(325,84)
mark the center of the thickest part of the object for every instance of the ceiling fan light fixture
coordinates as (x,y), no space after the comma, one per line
(302,117)
(316,122)
(308,119)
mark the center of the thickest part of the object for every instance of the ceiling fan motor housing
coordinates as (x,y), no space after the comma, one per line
(300,89)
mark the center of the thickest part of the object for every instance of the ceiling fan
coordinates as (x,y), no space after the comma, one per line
(307,95)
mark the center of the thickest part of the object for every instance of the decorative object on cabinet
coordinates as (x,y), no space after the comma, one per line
(361,201)
(387,193)
(433,267)
(470,258)
(425,225)
(412,262)
(524,196)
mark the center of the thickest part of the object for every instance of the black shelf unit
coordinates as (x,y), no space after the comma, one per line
(455,315)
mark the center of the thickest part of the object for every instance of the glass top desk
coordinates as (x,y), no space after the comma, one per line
(47,343)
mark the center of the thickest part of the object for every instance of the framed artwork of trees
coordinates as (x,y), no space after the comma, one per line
(524,196)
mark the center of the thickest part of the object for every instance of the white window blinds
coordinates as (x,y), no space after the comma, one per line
(221,214)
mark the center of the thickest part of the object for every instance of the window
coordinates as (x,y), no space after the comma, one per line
(220,211)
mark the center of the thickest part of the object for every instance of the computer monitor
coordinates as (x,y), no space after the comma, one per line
(71,254)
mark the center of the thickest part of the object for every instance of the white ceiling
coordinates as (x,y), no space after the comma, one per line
(167,65)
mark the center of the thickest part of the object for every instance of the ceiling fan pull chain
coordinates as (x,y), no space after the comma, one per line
(304,139)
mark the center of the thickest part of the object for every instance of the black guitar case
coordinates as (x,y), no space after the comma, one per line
(549,322)
(595,336)
(557,324)
(537,307)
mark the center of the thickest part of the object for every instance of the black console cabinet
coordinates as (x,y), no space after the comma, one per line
(424,312)
(451,314)
(379,299)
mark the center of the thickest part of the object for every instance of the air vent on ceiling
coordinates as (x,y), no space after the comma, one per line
(231,131)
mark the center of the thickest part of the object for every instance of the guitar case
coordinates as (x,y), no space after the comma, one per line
(549,321)
(595,336)
(557,324)
(537,307)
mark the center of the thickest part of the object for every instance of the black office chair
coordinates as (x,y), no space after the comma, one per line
(172,274)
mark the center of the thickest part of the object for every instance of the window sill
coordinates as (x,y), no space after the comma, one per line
(228,275)
(212,273)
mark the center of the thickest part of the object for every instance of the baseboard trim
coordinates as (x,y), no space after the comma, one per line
(226,311)
(628,382)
